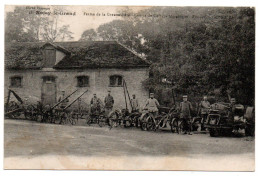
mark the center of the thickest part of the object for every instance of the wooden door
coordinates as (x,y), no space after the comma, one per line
(48,91)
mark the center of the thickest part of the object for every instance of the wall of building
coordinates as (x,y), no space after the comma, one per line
(67,81)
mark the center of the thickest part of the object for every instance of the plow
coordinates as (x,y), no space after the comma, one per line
(41,113)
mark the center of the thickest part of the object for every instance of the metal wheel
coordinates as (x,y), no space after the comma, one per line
(150,124)
(143,126)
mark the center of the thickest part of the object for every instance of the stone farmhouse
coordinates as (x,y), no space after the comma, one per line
(39,71)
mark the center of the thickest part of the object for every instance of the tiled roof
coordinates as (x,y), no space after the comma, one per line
(87,54)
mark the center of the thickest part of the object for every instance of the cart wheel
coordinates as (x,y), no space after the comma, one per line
(150,124)
(174,125)
(143,126)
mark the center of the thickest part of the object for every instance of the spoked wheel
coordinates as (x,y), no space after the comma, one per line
(150,124)
(174,125)
(143,126)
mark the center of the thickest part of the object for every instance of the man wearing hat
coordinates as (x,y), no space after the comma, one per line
(109,102)
(65,102)
(152,105)
(134,103)
(95,104)
(185,109)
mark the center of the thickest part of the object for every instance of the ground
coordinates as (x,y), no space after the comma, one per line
(27,140)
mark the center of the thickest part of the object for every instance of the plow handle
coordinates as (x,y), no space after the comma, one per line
(63,99)
(74,100)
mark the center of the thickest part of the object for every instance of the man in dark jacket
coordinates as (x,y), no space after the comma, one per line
(185,109)
(109,102)
(95,105)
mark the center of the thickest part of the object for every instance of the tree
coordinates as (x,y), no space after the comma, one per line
(21,26)
(52,32)
(89,34)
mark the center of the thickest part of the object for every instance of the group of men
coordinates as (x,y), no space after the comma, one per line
(151,105)
(96,105)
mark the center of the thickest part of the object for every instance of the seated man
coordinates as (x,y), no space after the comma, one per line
(152,105)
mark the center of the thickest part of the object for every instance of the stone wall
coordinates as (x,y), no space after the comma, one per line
(67,80)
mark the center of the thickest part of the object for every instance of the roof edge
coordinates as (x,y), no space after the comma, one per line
(135,53)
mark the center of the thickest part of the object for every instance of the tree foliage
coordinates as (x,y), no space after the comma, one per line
(88,35)
(200,50)
(21,26)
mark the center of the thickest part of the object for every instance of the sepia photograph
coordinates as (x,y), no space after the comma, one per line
(129,88)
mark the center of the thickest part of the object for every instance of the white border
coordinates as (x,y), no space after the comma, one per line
(136,3)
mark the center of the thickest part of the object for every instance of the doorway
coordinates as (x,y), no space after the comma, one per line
(48,90)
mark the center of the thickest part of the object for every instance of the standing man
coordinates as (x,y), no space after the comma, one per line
(109,103)
(185,109)
(65,102)
(152,105)
(204,107)
(95,104)
(134,103)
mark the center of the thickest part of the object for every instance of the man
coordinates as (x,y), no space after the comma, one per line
(134,103)
(65,102)
(185,109)
(204,107)
(95,104)
(152,105)
(109,103)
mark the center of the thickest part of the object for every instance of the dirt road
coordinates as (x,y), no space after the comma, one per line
(25,139)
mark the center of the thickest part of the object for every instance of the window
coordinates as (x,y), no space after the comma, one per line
(116,81)
(50,57)
(16,81)
(83,81)
(48,79)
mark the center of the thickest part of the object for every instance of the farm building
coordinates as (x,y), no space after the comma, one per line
(39,71)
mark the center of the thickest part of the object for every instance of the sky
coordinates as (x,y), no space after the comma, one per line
(83,19)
